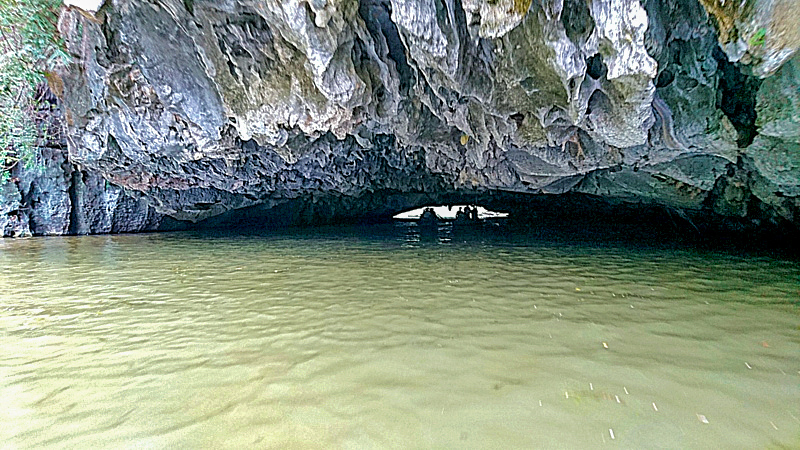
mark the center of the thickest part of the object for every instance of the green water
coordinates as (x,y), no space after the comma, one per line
(388,338)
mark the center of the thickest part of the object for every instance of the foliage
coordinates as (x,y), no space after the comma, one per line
(29,47)
(758,38)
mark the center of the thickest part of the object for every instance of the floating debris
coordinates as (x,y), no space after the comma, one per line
(611,433)
(464,139)
(701,418)
(626,390)
(566,394)
(605,345)
(591,388)
(540,403)
(748,366)
(773,425)
(617,397)
(764,344)
(655,407)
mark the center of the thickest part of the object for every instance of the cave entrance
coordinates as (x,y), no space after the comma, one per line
(449,212)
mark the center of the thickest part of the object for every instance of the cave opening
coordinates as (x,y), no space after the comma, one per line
(569,218)
(450,212)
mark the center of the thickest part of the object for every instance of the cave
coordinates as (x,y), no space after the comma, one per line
(400,223)
(253,122)
(576,218)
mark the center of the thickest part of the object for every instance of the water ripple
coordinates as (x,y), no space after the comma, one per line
(343,340)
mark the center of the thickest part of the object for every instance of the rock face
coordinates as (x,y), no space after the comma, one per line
(207,107)
(52,196)
(55,198)
(763,34)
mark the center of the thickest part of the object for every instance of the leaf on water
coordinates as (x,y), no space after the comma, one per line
(464,139)
(701,418)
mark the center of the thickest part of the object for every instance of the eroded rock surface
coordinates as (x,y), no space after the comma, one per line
(49,195)
(205,106)
(762,33)
(54,197)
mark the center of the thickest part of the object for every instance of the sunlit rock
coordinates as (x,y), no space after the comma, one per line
(762,33)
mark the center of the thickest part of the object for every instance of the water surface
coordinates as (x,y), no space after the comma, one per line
(392,338)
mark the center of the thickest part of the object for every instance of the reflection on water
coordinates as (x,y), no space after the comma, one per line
(394,337)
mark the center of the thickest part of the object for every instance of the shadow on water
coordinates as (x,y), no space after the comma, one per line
(505,233)
(531,220)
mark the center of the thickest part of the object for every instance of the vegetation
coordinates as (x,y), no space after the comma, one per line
(758,38)
(29,47)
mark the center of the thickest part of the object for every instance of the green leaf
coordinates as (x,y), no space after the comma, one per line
(758,39)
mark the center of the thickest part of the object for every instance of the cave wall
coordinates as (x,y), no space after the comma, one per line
(53,197)
(50,195)
(202,108)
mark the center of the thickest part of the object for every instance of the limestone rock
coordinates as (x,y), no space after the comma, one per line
(763,33)
(86,5)
(778,104)
(207,107)
(53,198)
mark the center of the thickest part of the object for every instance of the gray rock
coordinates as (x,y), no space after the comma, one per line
(53,197)
(203,108)
(762,33)
(778,104)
